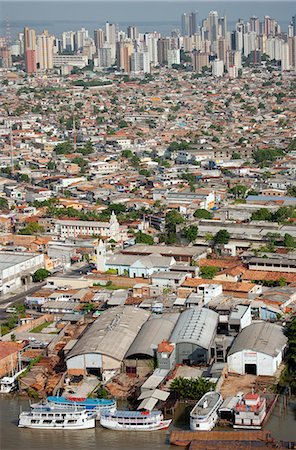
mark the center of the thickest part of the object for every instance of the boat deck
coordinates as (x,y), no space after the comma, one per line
(211,399)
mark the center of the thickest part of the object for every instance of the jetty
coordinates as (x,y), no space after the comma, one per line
(238,440)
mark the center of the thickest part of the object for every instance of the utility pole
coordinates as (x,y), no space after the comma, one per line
(11,151)
(74,129)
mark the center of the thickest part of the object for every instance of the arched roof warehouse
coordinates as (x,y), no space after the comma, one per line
(112,333)
(154,331)
(260,337)
(196,326)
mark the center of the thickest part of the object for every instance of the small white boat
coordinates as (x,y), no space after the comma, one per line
(134,420)
(10,384)
(204,415)
(46,417)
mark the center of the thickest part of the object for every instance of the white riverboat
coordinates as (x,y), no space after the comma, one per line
(204,415)
(46,417)
(92,405)
(134,420)
(10,384)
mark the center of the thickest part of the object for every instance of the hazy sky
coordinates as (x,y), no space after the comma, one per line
(55,13)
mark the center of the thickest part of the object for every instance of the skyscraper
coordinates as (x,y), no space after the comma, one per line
(185,24)
(213,26)
(99,38)
(192,23)
(189,23)
(132,32)
(45,51)
(30,50)
(294,24)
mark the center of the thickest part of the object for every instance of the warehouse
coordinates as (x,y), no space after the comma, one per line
(257,350)
(16,269)
(102,347)
(194,336)
(142,353)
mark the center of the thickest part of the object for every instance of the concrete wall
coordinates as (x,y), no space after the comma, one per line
(266,364)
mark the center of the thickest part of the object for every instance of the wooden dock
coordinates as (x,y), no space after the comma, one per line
(193,438)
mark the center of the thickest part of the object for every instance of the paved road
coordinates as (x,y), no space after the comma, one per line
(18,298)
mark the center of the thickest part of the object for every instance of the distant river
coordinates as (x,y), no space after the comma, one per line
(14,438)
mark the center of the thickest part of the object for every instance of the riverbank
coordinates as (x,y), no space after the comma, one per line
(282,426)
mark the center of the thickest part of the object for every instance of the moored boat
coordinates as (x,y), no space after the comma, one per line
(204,415)
(250,412)
(96,405)
(134,420)
(10,384)
(46,417)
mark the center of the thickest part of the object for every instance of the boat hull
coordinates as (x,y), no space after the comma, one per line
(113,425)
(81,426)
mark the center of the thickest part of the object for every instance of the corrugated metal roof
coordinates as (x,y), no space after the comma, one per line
(261,337)
(196,325)
(112,333)
(155,330)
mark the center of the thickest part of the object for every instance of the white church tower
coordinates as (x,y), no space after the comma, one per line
(114,227)
(101,256)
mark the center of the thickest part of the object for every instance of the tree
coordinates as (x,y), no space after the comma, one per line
(289,241)
(174,217)
(24,177)
(292,189)
(117,208)
(143,238)
(221,238)
(190,233)
(64,148)
(40,275)
(261,214)
(193,388)
(208,272)
(202,214)
(238,191)
(264,155)
(33,228)
(3,204)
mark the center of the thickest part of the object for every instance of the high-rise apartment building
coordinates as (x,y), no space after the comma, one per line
(213,26)
(45,44)
(294,24)
(200,60)
(30,50)
(132,32)
(99,38)
(68,41)
(140,62)
(189,23)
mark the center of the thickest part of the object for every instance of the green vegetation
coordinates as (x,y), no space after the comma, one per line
(281,215)
(193,388)
(172,219)
(64,148)
(33,228)
(91,83)
(239,191)
(39,328)
(208,272)
(203,214)
(221,238)
(289,241)
(267,155)
(190,233)
(143,238)
(40,275)
(3,204)
(288,377)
